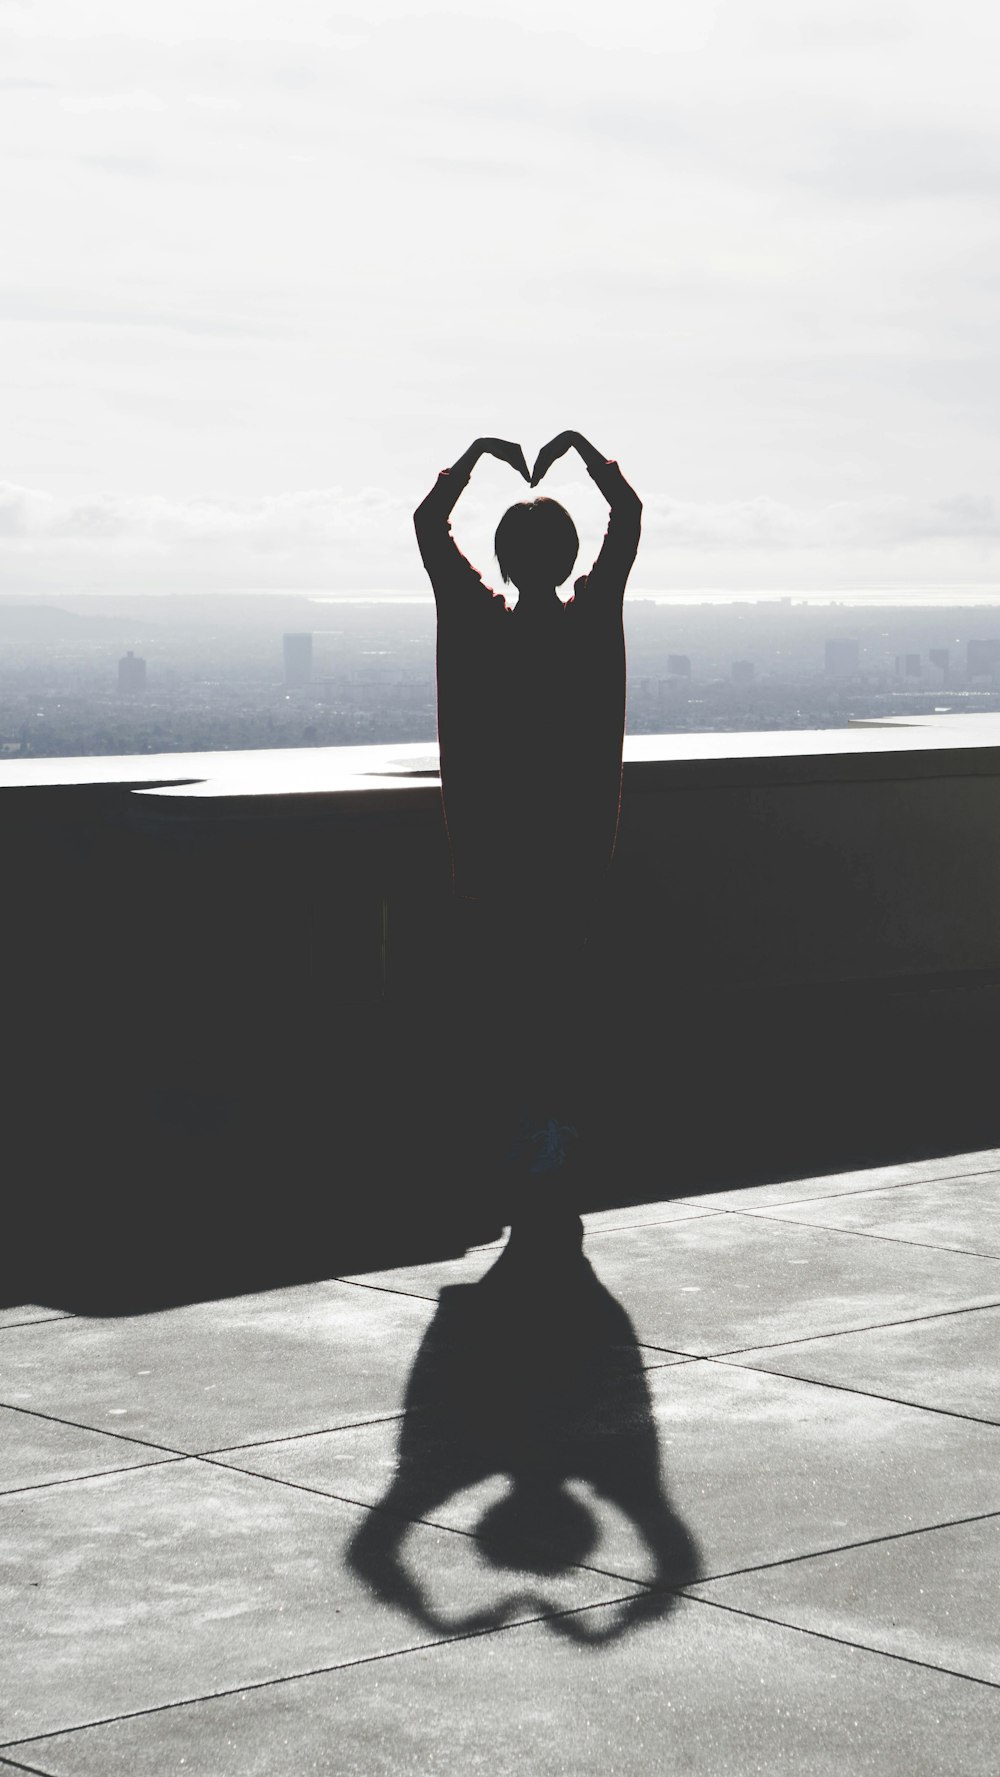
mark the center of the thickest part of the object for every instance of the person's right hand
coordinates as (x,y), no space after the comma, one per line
(507,452)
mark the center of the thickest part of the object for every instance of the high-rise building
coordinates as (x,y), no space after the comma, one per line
(743,672)
(939,657)
(131,672)
(298,654)
(679,665)
(914,669)
(841,658)
(982,658)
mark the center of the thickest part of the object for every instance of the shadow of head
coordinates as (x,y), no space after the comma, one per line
(533,1376)
(537,1528)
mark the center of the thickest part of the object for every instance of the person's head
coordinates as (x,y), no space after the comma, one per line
(536,545)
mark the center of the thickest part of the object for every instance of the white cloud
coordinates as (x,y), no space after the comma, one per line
(304,246)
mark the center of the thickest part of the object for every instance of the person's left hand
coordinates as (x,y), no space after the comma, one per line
(549,453)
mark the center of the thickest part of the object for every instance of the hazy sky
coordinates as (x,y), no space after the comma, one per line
(267,266)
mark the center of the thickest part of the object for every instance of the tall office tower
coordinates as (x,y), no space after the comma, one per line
(841,658)
(981,658)
(939,657)
(743,672)
(298,651)
(131,672)
(679,665)
(913,666)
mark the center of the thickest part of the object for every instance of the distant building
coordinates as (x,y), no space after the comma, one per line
(743,672)
(679,665)
(298,654)
(939,657)
(841,658)
(131,672)
(912,665)
(982,658)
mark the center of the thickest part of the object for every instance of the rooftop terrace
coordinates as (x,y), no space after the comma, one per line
(721,1496)
(290,1481)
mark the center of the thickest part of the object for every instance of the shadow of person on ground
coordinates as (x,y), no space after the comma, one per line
(533,1373)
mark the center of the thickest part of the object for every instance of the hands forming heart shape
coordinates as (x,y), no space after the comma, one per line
(549,453)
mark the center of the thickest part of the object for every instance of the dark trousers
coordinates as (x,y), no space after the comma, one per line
(522,1009)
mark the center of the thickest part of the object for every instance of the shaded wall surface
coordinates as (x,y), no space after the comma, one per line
(228,1028)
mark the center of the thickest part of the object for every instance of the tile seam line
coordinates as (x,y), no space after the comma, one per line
(264,1684)
(367,1505)
(100,1474)
(121,1436)
(865,1542)
(9,1764)
(42,1320)
(875,1326)
(321,1431)
(899,1185)
(768,1215)
(383,1289)
(655,1222)
(864,1647)
(867,1394)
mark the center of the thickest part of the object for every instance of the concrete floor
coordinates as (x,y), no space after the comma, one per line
(720,1496)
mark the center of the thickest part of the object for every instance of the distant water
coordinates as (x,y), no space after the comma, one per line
(926,597)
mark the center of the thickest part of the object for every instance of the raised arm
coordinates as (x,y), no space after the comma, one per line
(621,539)
(439,552)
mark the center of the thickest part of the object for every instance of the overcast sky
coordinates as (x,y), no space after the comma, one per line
(268,266)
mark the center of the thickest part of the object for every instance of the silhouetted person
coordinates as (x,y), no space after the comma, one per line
(531,717)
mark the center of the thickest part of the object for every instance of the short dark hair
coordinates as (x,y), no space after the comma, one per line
(536,539)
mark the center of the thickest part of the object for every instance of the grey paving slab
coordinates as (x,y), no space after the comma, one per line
(169,1583)
(932,1597)
(961,1214)
(35,1452)
(29,1312)
(223,1372)
(950,1362)
(835,1184)
(722,1283)
(702,1691)
(666,1465)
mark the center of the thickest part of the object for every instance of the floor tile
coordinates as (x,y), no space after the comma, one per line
(702,1691)
(29,1312)
(950,1362)
(722,1283)
(703,1464)
(718,1283)
(427,1280)
(227,1372)
(834,1184)
(930,1597)
(960,1214)
(34,1452)
(168,1583)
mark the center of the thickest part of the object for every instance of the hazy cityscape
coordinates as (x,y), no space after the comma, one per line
(90,675)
